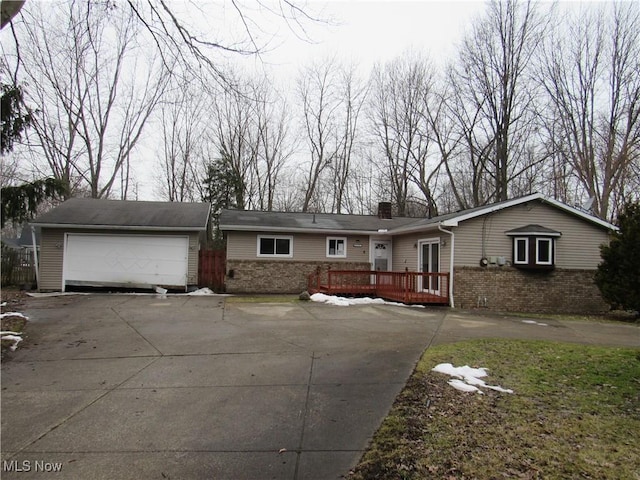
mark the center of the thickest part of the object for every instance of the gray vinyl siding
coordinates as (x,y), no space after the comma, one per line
(306,247)
(405,250)
(192,265)
(52,252)
(577,248)
(50,260)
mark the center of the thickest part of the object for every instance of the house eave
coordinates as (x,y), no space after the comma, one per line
(579,213)
(455,221)
(68,226)
(321,231)
(416,228)
(533,233)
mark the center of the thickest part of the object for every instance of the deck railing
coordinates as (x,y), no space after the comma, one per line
(406,287)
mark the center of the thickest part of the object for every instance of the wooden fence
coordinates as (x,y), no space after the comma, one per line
(17,267)
(212,269)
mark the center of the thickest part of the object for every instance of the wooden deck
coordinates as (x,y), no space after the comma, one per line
(405,287)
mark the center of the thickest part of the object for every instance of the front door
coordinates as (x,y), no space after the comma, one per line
(430,263)
(381,255)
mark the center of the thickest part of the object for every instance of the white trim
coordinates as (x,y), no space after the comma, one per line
(317,231)
(421,243)
(372,251)
(515,251)
(275,238)
(453,222)
(134,228)
(533,233)
(344,247)
(451,263)
(551,250)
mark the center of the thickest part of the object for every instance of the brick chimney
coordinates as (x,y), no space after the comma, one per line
(384,210)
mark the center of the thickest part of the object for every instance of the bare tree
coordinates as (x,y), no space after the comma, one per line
(180,36)
(354,95)
(93,95)
(182,156)
(496,102)
(274,143)
(590,74)
(321,101)
(235,135)
(399,115)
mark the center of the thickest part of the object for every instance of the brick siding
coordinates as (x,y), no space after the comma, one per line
(268,276)
(515,290)
(495,288)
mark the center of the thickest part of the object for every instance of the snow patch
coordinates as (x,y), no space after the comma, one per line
(533,322)
(467,379)
(201,291)
(12,337)
(14,314)
(346,302)
(462,386)
(55,294)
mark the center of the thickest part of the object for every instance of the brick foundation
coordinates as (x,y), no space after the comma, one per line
(514,290)
(268,276)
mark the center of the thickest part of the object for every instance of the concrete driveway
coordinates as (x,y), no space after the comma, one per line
(120,387)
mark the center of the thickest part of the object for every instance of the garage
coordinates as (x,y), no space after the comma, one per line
(120,243)
(135,260)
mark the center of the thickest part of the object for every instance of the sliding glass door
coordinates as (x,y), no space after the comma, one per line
(430,263)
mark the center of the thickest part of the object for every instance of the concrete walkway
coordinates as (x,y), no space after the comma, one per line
(120,387)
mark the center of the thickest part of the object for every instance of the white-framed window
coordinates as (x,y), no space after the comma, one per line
(521,251)
(544,251)
(337,247)
(275,246)
(534,252)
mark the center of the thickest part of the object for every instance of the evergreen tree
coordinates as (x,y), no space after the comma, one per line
(618,276)
(222,185)
(222,188)
(20,203)
(13,121)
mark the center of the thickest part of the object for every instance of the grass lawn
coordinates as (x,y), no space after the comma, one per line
(14,298)
(574,413)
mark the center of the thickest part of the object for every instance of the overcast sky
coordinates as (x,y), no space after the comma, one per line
(364,32)
(370,31)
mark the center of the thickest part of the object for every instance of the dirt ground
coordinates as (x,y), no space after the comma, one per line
(15,299)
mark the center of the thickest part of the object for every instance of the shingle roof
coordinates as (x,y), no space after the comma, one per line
(292,221)
(120,214)
(534,230)
(283,222)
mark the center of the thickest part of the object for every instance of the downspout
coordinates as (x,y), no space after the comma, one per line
(451,255)
(35,255)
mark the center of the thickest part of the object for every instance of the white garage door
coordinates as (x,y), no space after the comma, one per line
(125,260)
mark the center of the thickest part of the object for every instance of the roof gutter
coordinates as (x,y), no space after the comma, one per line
(451,262)
(254,228)
(120,227)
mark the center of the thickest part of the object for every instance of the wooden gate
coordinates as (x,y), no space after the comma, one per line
(212,269)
